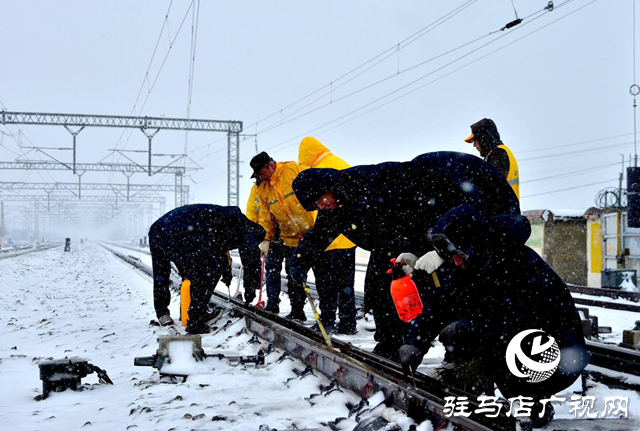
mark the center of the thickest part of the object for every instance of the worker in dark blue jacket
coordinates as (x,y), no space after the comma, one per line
(197,239)
(513,313)
(387,209)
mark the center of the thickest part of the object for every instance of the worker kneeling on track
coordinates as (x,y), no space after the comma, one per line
(516,322)
(197,238)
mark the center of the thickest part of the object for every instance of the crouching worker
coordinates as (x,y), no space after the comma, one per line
(197,238)
(516,322)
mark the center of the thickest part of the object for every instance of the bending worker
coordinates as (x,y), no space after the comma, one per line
(504,297)
(387,209)
(197,238)
(486,139)
(338,262)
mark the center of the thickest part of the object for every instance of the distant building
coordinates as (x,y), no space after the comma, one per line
(580,245)
(560,238)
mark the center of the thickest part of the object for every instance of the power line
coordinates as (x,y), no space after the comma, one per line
(396,47)
(428,83)
(392,51)
(573,144)
(572,173)
(570,188)
(573,153)
(192,64)
(146,78)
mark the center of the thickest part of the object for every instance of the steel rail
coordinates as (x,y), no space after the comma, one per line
(606,355)
(39,247)
(366,373)
(601,291)
(606,304)
(357,370)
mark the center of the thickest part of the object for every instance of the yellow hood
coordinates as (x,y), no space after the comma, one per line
(311,152)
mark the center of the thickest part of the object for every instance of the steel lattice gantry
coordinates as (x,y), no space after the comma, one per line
(121,189)
(134,216)
(181,198)
(118,203)
(233,129)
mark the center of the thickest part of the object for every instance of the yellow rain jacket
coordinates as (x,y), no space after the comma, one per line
(253,204)
(313,154)
(278,203)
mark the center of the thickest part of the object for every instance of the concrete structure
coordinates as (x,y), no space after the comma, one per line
(560,237)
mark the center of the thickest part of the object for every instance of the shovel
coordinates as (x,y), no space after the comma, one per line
(260,303)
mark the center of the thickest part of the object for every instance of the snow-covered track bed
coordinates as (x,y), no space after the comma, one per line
(26,250)
(364,373)
(603,355)
(356,369)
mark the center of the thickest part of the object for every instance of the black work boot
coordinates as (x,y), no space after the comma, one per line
(297,315)
(387,350)
(272,308)
(347,328)
(329,327)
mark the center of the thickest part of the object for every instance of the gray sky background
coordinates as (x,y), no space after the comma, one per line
(557,85)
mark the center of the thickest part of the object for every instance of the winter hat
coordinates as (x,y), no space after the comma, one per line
(258,162)
(485,132)
(461,231)
(311,184)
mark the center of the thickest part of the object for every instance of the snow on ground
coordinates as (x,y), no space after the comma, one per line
(89,304)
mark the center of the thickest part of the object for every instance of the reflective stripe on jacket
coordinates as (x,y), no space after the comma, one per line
(312,153)
(279,204)
(513,177)
(253,204)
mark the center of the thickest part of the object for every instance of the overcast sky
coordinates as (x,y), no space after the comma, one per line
(557,85)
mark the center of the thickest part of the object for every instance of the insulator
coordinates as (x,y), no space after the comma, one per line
(513,23)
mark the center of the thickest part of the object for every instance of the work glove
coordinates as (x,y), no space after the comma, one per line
(249,295)
(226,278)
(429,262)
(410,262)
(264,247)
(410,357)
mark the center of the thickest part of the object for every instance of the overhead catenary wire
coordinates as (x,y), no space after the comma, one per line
(146,78)
(570,173)
(424,31)
(192,61)
(389,52)
(396,47)
(407,69)
(402,87)
(569,188)
(577,152)
(418,88)
(415,81)
(306,133)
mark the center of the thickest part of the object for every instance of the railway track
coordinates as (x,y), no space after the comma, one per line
(19,251)
(609,356)
(585,290)
(420,396)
